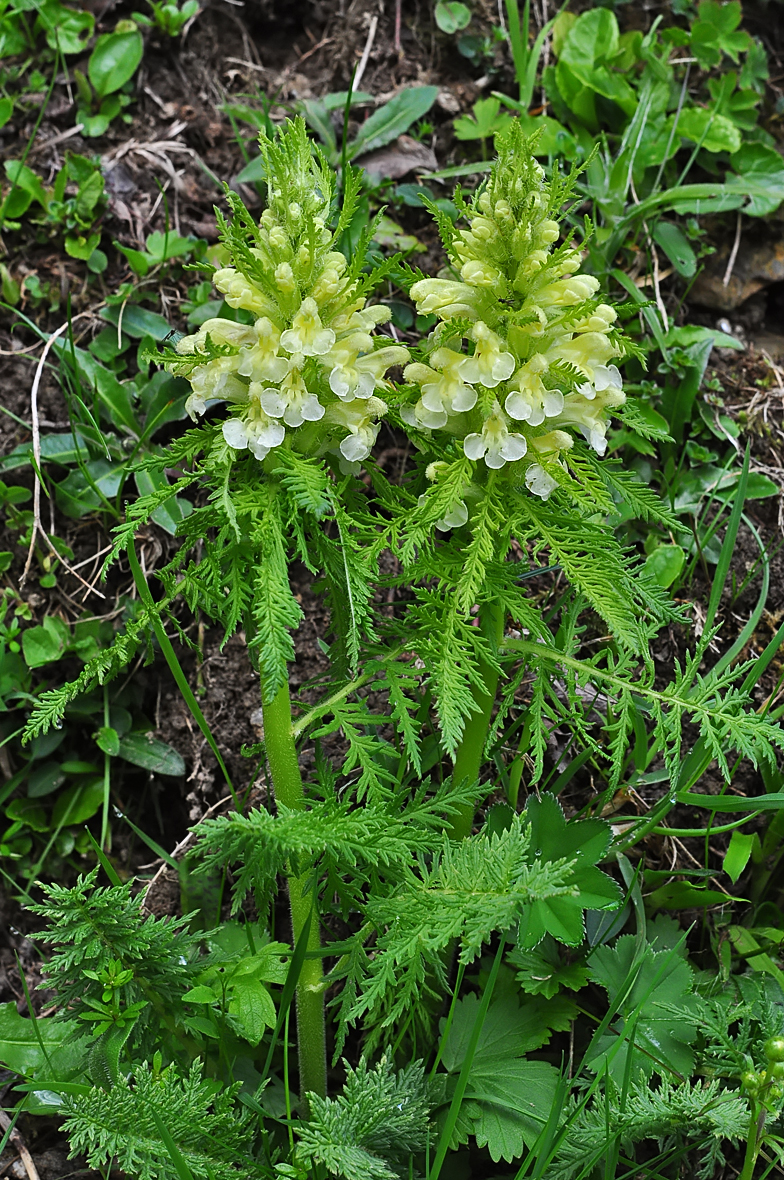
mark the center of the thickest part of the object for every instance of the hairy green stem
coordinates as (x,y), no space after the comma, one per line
(752,1144)
(468,756)
(287,784)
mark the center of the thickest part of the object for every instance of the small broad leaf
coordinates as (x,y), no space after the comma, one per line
(70,30)
(55,448)
(507,1098)
(393,119)
(715,132)
(115,59)
(108,740)
(738,854)
(163,246)
(137,321)
(677,247)
(79,803)
(252,1005)
(25,179)
(452,16)
(201,994)
(760,174)
(21,1039)
(45,644)
(151,754)
(487,119)
(545,971)
(81,247)
(581,841)
(665,564)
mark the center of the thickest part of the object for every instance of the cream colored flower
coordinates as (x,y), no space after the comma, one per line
(453,519)
(481,274)
(446,298)
(491,362)
(219,332)
(360,421)
(588,417)
(606,384)
(292,401)
(307,335)
(586,352)
(241,292)
(531,401)
(261,363)
(539,482)
(215,381)
(568,291)
(255,430)
(495,444)
(600,319)
(443,389)
(352,375)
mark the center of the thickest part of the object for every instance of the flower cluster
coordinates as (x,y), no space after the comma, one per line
(309,355)
(522,354)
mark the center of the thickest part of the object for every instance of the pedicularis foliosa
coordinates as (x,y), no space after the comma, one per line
(506,405)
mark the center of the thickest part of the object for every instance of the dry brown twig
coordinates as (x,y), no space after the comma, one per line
(18,1142)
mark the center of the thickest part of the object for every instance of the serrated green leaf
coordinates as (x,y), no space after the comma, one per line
(252,1006)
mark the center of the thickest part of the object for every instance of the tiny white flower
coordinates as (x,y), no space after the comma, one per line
(306,334)
(455,518)
(353,376)
(360,421)
(292,401)
(531,401)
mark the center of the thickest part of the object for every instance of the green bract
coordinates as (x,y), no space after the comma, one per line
(308,361)
(522,355)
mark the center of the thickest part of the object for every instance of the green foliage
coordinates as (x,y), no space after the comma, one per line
(698,1113)
(508,1098)
(466,893)
(211,1134)
(92,927)
(370,1130)
(652,994)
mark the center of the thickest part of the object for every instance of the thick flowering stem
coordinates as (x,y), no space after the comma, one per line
(287,784)
(752,1143)
(469,754)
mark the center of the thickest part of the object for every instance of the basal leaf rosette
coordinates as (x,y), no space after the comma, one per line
(522,358)
(307,368)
